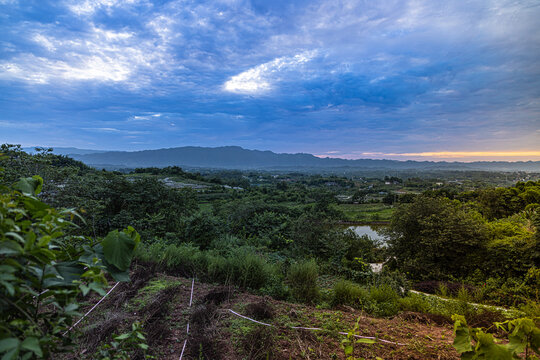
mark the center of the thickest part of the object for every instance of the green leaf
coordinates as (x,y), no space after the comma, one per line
(8,344)
(118,249)
(462,340)
(118,275)
(366,341)
(122,337)
(32,344)
(11,354)
(10,248)
(30,185)
(68,271)
(9,288)
(15,236)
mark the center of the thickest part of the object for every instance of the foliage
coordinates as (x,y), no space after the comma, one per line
(302,278)
(436,238)
(474,343)
(125,345)
(241,266)
(349,342)
(348,293)
(43,271)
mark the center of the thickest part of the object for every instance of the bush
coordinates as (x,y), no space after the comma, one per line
(249,270)
(414,302)
(348,293)
(241,267)
(385,299)
(394,279)
(302,279)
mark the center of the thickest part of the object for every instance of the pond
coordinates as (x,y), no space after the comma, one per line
(370,230)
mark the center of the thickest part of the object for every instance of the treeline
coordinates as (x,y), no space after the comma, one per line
(486,238)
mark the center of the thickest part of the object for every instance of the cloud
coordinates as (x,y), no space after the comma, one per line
(385,77)
(89,7)
(95,55)
(145,118)
(262,78)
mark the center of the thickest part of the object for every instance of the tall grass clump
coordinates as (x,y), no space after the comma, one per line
(348,293)
(184,259)
(249,269)
(240,267)
(302,278)
(384,300)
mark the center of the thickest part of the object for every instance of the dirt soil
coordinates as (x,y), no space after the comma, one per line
(217,334)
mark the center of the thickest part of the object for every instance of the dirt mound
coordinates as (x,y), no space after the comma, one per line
(101,331)
(262,310)
(204,338)
(218,295)
(154,313)
(139,277)
(425,318)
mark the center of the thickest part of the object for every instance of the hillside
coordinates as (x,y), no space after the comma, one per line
(235,157)
(161,303)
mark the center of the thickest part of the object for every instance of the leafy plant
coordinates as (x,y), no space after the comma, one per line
(43,271)
(124,345)
(474,343)
(349,342)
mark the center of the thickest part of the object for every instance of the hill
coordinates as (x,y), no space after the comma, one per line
(161,303)
(235,157)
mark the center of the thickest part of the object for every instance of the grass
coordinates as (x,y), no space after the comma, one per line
(431,304)
(302,278)
(367,212)
(378,300)
(154,286)
(241,267)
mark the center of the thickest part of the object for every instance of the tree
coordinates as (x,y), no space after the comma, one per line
(436,238)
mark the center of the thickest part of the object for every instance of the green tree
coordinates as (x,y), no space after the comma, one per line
(436,238)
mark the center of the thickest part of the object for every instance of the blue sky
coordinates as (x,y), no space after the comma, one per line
(380,79)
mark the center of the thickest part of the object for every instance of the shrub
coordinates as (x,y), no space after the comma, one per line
(184,259)
(348,293)
(302,279)
(414,302)
(394,279)
(44,273)
(386,300)
(249,270)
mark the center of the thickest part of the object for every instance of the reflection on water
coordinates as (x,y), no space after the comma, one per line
(370,230)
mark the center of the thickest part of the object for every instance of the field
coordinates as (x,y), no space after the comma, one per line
(367,212)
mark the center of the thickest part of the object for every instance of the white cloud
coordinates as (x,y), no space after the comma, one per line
(148,117)
(260,78)
(98,55)
(88,7)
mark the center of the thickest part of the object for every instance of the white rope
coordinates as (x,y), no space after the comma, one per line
(317,329)
(183,348)
(250,319)
(191,296)
(187,328)
(93,307)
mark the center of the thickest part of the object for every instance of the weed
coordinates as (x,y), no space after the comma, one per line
(302,278)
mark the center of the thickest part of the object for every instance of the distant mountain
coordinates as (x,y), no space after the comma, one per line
(235,157)
(66,151)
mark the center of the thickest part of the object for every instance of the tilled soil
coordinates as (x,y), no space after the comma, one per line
(217,334)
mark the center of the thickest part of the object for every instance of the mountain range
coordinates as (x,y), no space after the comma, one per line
(235,157)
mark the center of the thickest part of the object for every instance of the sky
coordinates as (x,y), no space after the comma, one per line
(430,80)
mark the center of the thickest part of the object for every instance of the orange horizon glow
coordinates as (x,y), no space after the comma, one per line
(465,156)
